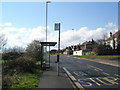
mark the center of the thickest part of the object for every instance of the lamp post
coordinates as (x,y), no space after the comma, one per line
(47,2)
(73,36)
(47,16)
(73,39)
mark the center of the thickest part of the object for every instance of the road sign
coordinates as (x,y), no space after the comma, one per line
(57,26)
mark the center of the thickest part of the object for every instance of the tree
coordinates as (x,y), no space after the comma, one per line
(34,50)
(12,53)
(101,49)
(53,51)
(3,41)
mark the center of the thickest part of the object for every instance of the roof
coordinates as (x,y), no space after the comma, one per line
(48,43)
(114,35)
(89,42)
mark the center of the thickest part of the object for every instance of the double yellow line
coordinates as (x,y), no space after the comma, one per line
(72,78)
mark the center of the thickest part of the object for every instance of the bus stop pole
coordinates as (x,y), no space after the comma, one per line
(58,56)
(49,56)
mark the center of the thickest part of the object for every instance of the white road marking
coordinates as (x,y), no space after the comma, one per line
(95,67)
(106,73)
(78,62)
(76,73)
(117,75)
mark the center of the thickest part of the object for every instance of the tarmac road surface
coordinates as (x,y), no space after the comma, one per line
(89,74)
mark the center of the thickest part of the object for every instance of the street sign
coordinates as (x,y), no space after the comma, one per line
(57,26)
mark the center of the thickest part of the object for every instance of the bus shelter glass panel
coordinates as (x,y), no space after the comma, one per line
(46,53)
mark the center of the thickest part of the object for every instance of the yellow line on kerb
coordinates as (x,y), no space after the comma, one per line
(74,80)
(79,86)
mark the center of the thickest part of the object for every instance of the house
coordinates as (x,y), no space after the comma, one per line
(88,45)
(114,40)
(68,50)
(86,48)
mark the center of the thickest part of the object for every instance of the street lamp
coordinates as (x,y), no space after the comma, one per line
(73,36)
(47,16)
(47,2)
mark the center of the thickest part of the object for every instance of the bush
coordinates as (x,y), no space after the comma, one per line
(11,55)
(103,50)
(21,64)
(7,81)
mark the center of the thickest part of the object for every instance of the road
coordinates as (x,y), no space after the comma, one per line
(0,76)
(90,74)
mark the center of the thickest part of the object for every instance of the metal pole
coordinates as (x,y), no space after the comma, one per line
(46,24)
(47,16)
(49,56)
(58,50)
(46,19)
(41,56)
(73,37)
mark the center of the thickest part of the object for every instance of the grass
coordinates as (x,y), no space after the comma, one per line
(1,61)
(100,56)
(27,80)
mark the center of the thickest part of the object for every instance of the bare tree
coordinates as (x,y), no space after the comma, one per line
(3,41)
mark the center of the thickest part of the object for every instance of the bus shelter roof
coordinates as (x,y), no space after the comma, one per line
(48,43)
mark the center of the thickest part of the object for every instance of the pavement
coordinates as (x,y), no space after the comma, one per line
(50,79)
(114,62)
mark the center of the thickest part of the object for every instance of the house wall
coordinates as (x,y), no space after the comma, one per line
(110,42)
(80,53)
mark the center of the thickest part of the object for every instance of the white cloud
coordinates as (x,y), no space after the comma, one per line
(6,24)
(111,24)
(71,37)
(23,36)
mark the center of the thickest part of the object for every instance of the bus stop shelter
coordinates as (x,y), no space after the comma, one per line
(44,52)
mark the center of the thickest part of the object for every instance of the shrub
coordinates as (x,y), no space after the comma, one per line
(7,81)
(21,64)
(11,55)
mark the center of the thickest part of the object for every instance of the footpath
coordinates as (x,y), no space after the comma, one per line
(114,62)
(50,79)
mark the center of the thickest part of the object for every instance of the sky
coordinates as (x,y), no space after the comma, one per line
(23,22)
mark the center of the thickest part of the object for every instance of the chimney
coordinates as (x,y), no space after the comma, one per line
(110,34)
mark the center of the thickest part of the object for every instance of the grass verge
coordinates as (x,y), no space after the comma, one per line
(27,80)
(1,61)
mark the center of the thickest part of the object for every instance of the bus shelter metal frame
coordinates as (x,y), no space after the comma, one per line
(42,55)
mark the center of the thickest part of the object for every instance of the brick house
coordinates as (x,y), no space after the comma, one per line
(86,48)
